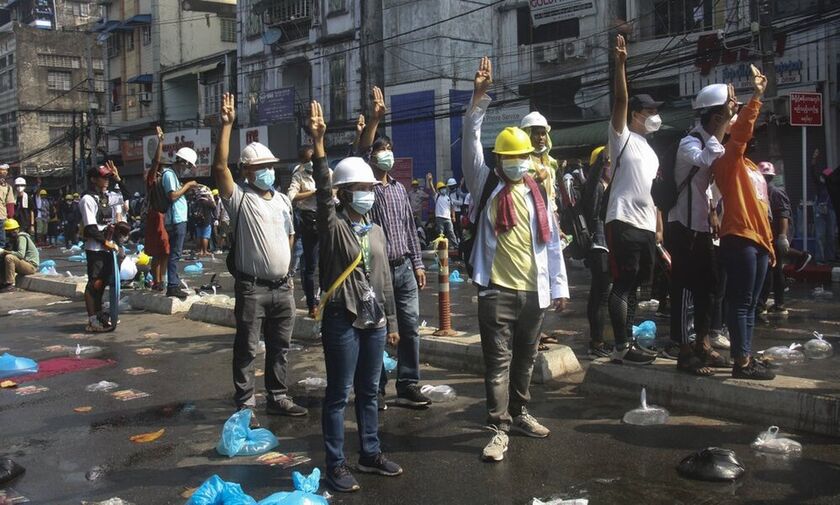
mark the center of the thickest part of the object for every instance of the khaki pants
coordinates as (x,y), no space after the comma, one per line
(13,265)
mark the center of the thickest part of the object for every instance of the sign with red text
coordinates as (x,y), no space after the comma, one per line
(806,109)
(197,140)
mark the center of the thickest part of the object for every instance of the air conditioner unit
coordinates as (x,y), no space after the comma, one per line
(546,54)
(145,97)
(574,49)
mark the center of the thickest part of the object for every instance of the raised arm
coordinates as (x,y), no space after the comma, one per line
(619,111)
(360,128)
(221,172)
(376,116)
(472,153)
(159,151)
(321,172)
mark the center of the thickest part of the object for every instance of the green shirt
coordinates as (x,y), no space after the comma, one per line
(26,250)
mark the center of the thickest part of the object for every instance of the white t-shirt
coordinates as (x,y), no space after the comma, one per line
(630,200)
(691,153)
(443,206)
(89,206)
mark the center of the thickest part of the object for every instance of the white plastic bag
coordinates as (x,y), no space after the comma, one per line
(442,393)
(313,383)
(781,355)
(128,269)
(769,441)
(818,347)
(646,415)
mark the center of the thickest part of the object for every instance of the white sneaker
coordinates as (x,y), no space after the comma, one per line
(719,341)
(496,449)
(528,425)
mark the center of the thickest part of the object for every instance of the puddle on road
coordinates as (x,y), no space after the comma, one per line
(185,410)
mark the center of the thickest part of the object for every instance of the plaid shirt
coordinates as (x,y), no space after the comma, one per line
(392,211)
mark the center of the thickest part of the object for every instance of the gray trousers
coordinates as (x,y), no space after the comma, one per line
(509,322)
(270,312)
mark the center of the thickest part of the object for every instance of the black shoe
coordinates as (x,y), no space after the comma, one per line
(285,407)
(379,464)
(753,371)
(412,397)
(254,423)
(599,350)
(631,355)
(177,293)
(8,288)
(803,262)
(380,401)
(777,310)
(341,480)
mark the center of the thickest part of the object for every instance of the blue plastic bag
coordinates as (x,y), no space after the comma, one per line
(455,277)
(81,258)
(140,248)
(195,268)
(389,362)
(47,264)
(11,366)
(304,493)
(215,491)
(645,333)
(240,440)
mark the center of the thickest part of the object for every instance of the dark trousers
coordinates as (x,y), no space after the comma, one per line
(631,262)
(271,313)
(353,359)
(599,293)
(177,233)
(408,312)
(719,305)
(509,322)
(746,265)
(309,239)
(693,279)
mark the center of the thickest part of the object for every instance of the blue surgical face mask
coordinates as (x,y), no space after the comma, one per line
(516,168)
(264,179)
(362,201)
(384,160)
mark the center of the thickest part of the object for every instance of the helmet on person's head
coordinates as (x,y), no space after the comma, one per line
(351,171)
(257,154)
(68,196)
(713,95)
(43,192)
(20,181)
(415,182)
(451,182)
(187,155)
(534,119)
(4,166)
(440,185)
(766,168)
(11,225)
(75,195)
(136,194)
(595,153)
(513,141)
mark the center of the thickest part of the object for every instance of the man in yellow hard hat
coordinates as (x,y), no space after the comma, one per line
(20,256)
(518,267)
(444,213)
(418,197)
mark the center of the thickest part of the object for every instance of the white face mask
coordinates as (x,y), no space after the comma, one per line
(362,201)
(515,169)
(653,123)
(384,160)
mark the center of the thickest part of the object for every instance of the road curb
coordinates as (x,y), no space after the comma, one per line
(52,285)
(159,303)
(793,403)
(305,327)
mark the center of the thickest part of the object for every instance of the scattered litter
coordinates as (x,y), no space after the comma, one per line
(781,355)
(645,415)
(195,268)
(139,370)
(711,464)
(215,491)
(79,258)
(9,470)
(769,441)
(101,386)
(11,366)
(78,336)
(145,438)
(110,501)
(188,492)
(86,350)
(313,383)
(305,491)
(62,302)
(283,460)
(238,439)
(16,312)
(56,348)
(645,333)
(818,347)
(442,393)
(8,384)
(30,390)
(455,277)
(820,292)
(124,305)
(83,410)
(388,362)
(128,269)
(48,271)
(95,473)
(423,323)
(129,394)
(146,351)
(560,501)
(295,347)
(649,305)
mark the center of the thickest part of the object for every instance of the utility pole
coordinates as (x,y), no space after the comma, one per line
(768,64)
(73,168)
(372,52)
(92,105)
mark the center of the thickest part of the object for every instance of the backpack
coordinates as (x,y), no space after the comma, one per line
(664,189)
(157,199)
(573,221)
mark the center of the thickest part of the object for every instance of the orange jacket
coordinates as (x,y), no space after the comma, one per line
(746,210)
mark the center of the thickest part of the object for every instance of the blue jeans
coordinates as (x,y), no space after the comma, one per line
(353,359)
(309,268)
(824,228)
(746,267)
(408,312)
(2,236)
(177,232)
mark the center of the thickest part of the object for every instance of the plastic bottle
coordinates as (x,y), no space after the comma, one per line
(646,415)
(442,393)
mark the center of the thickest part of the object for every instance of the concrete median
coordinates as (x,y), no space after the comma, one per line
(68,287)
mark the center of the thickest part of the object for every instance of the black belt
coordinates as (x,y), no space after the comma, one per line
(397,262)
(262,282)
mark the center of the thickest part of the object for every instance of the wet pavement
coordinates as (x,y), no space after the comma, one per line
(590,454)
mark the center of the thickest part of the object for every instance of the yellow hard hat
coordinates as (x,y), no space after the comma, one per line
(75,195)
(68,196)
(43,192)
(143,259)
(594,156)
(440,185)
(215,192)
(10,225)
(513,141)
(415,182)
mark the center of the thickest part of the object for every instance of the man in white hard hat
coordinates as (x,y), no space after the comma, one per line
(7,200)
(544,166)
(175,218)
(263,232)
(23,206)
(692,226)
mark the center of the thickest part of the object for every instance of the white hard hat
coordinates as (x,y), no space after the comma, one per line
(451,182)
(136,194)
(712,95)
(352,170)
(256,154)
(4,166)
(20,181)
(187,154)
(534,119)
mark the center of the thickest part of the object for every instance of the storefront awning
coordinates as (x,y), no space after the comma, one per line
(140,79)
(138,20)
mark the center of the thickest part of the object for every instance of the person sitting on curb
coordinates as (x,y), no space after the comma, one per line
(20,257)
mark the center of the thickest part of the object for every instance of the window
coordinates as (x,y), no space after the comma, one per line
(672,17)
(116,95)
(5,137)
(213,98)
(228,27)
(99,83)
(338,89)
(13,136)
(113,45)
(527,34)
(253,24)
(58,81)
(59,61)
(129,41)
(147,35)
(335,6)
(56,117)
(11,59)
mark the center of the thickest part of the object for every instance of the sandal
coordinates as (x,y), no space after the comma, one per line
(548,339)
(542,347)
(694,366)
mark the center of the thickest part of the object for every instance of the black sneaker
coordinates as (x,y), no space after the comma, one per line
(380,401)
(254,423)
(599,350)
(341,480)
(631,355)
(753,371)
(412,397)
(285,407)
(803,262)
(379,464)
(777,310)
(177,293)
